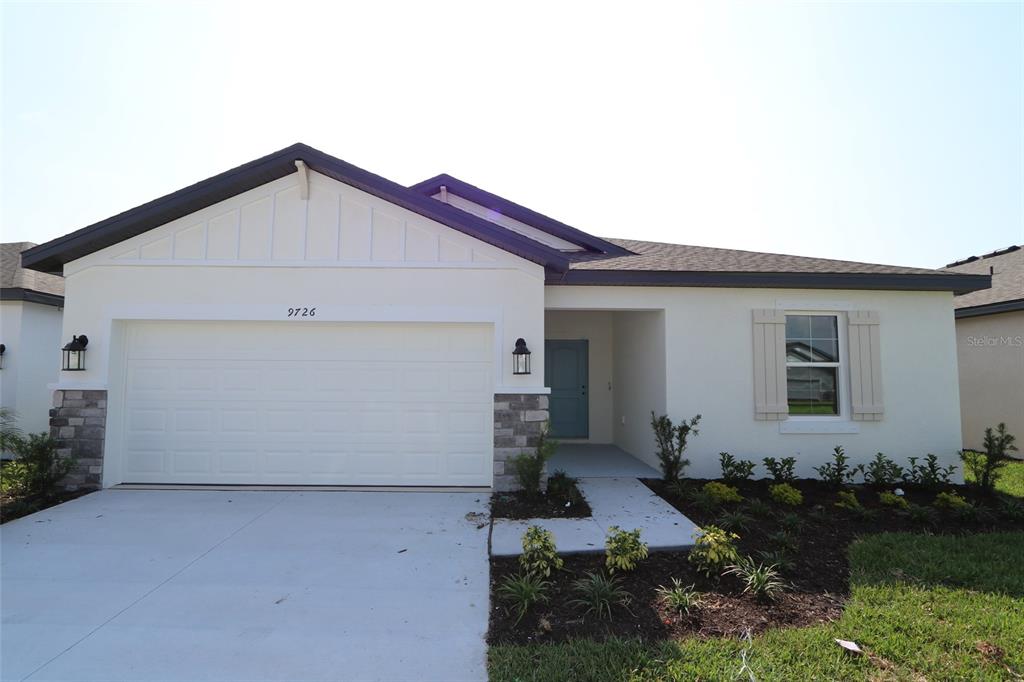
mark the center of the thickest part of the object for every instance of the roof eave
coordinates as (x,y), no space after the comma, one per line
(990,308)
(31,296)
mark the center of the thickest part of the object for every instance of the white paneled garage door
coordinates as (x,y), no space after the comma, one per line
(307,403)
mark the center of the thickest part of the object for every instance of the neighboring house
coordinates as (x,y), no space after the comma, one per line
(298,320)
(31,304)
(990,345)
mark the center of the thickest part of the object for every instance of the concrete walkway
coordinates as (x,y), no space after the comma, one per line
(623,502)
(215,585)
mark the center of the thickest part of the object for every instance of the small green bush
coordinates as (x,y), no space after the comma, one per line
(678,598)
(783,540)
(764,582)
(38,468)
(781,470)
(985,467)
(733,469)
(837,472)
(882,472)
(848,500)
(780,558)
(928,474)
(539,557)
(784,493)
(623,549)
(733,521)
(722,493)
(920,515)
(713,550)
(562,490)
(759,508)
(791,522)
(950,502)
(672,440)
(529,467)
(599,594)
(893,500)
(523,591)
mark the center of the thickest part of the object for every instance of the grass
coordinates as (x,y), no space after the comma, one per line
(1011,479)
(935,607)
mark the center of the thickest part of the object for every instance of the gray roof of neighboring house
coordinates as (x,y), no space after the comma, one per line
(16,280)
(1007,293)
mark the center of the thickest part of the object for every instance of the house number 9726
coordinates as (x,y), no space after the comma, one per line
(302,312)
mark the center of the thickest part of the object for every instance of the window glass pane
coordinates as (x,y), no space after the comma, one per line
(812,390)
(798,327)
(799,350)
(824,350)
(824,327)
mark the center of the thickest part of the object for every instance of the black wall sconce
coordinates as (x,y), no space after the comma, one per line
(521,358)
(3,349)
(74,353)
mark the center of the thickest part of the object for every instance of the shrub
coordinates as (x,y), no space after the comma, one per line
(882,472)
(893,500)
(784,493)
(783,540)
(523,591)
(713,550)
(529,468)
(758,579)
(703,501)
(10,434)
(791,522)
(1011,509)
(678,598)
(735,469)
(950,502)
(781,470)
(780,558)
(837,472)
(672,439)
(722,493)
(928,474)
(985,467)
(760,508)
(733,521)
(539,555)
(848,500)
(38,469)
(623,549)
(920,515)
(598,594)
(562,490)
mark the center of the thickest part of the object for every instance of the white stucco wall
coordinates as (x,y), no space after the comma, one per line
(32,334)
(991,354)
(709,370)
(640,379)
(596,328)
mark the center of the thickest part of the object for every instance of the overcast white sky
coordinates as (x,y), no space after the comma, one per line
(878,132)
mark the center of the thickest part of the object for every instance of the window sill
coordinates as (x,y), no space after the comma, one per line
(815,426)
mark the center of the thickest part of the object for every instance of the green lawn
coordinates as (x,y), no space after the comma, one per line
(935,607)
(1011,479)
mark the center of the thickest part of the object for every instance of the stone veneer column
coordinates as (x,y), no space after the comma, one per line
(518,420)
(78,421)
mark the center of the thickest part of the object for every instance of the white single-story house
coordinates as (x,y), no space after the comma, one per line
(990,346)
(301,321)
(31,305)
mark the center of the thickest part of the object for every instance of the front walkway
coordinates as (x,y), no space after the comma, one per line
(585,460)
(216,585)
(623,502)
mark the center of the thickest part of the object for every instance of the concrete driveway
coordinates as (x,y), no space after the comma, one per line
(213,585)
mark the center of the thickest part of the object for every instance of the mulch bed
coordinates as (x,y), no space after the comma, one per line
(818,578)
(520,506)
(15,507)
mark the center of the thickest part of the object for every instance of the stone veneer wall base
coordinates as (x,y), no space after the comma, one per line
(518,421)
(78,421)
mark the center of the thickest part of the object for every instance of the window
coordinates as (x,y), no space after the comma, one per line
(812,365)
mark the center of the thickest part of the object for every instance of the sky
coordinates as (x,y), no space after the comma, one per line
(881,132)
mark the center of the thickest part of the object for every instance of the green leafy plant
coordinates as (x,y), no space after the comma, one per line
(781,470)
(599,594)
(522,592)
(893,500)
(733,521)
(791,522)
(623,549)
(38,469)
(10,434)
(722,493)
(780,558)
(562,490)
(713,550)
(838,471)
(848,500)
(679,598)
(529,467)
(920,515)
(928,474)
(703,501)
(950,502)
(760,580)
(733,469)
(784,493)
(1012,510)
(759,508)
(882,472)
(985,467)
(783,540)
(672,440)
(539,557)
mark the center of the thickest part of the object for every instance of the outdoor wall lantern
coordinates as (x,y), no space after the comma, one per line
(3,349)
(74,353)
(521,358)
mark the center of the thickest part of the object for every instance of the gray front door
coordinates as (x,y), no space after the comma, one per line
(565,373)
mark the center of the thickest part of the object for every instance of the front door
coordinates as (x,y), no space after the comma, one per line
(565,373)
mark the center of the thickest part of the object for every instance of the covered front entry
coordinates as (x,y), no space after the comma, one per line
(306,403)
(566,374)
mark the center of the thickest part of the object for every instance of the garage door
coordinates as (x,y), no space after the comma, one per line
(307,403)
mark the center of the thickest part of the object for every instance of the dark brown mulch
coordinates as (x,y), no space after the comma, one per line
(15,507)
(520,506)
(818,578)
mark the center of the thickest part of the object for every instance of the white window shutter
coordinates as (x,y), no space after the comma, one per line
(770,401)
(865,366)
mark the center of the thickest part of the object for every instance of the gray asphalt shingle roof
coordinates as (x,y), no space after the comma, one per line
(13,276)
(1007,268)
